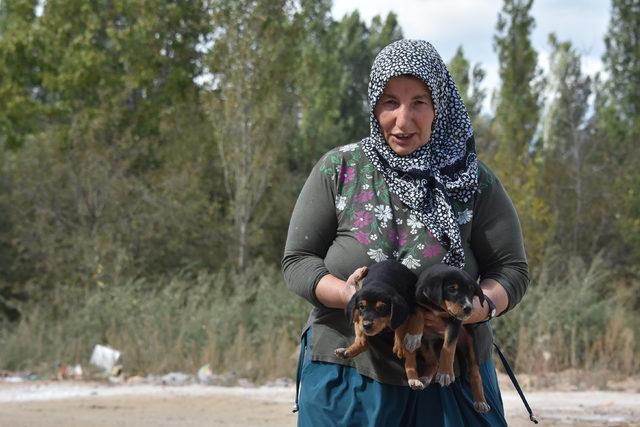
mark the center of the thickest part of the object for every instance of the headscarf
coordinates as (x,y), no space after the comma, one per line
(444,170)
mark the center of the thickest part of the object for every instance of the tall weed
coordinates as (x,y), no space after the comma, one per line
(574,315)
(245,323)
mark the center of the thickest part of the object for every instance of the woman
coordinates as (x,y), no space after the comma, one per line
(412,191)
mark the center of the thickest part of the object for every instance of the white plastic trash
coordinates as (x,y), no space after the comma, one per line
(104,357)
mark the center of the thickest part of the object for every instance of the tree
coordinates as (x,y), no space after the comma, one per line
(468,81)
(518,107)
(21,85)
(516,120)
(622,62)
(89,92)
(333,78)
(618,106)
(251,108)
(568,167)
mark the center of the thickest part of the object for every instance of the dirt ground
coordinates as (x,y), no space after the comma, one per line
(101,405)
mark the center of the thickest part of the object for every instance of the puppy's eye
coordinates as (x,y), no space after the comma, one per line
(452,289)
(381,307)
(362,306)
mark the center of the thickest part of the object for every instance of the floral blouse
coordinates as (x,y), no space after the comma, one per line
(346,217)
(380,222)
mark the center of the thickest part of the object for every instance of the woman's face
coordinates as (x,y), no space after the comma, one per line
(405,114)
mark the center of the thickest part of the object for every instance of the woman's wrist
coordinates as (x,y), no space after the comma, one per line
(336,293)
(332,292)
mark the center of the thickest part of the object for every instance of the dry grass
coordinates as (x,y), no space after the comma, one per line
(574,316)
(250,330)
(248,325)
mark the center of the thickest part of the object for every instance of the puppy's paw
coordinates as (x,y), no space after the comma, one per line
(481,407)
(412,342)
(342,353)
(445,379)
(416,385)
(425,380)
(398,350)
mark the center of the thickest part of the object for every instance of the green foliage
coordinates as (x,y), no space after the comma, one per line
(622,62)
(568,93)
(335,61)
(618,106)
(112,66)
(568,154)
(468,82)
(515,123)
(251,106)
(518,107)
(88,200)
(19,70)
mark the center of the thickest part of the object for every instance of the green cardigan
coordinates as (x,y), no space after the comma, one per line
(346,217)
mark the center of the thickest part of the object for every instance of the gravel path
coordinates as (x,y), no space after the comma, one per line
(78,404)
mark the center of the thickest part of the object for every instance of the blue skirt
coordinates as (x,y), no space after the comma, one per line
(337,395)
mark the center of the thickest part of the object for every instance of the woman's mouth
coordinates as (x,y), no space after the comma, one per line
(403,137)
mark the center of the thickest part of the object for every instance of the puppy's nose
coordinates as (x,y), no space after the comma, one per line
(467,309)
(367,324)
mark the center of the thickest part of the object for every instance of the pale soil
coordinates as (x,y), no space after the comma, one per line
(71,404)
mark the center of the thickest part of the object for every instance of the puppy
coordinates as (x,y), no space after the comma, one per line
(449,292)
(385,300)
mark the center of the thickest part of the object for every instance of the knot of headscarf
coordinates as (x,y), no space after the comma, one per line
(445,169)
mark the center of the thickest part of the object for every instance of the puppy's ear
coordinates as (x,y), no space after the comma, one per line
(399,312)
(432,290)
(430,284)
(351,307)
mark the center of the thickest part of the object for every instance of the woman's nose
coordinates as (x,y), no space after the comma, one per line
(403,116)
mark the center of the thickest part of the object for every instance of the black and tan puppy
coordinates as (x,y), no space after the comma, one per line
(385,300)
(449,292)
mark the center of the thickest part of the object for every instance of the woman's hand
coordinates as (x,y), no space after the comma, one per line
(336,293)
(356,277)
(353,283)
(498,295)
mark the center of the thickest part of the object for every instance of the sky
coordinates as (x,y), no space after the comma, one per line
(448,24)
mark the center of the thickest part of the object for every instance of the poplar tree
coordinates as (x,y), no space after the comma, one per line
(468,81)
(518,108)
(618,106)
(516,121)
(319,85)
(251,110)
(621,59)
(568,168)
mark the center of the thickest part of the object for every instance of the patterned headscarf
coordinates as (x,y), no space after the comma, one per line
(443,170)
